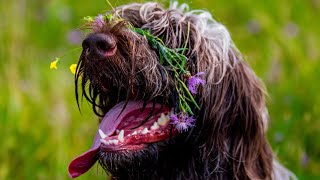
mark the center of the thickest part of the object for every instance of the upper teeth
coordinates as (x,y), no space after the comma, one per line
(121,136)
(163,120)
(102,135)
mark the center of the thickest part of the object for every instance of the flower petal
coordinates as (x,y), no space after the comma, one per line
(73,68)
(182,122)
(98,23)
(174,118)
(53,64)
(194,82)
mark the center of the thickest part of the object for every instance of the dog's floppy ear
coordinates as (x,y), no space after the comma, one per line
(234,117)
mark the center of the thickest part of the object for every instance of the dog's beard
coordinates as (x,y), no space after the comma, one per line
(174,158)
(128,164)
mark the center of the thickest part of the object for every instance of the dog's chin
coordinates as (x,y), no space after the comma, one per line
(131,162)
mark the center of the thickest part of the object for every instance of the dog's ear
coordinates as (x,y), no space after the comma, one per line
(233,117)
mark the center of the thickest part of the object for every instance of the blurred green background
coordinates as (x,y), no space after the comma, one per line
(42,129)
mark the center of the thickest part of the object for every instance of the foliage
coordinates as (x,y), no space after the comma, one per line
(42,128)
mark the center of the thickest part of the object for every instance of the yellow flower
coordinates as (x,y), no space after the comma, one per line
(53,64)
(73,68)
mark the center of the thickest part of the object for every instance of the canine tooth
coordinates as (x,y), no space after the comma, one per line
(155,126)
(121,136)
(102,135)
(162,121)
(134,133)
(145,131)
(117,131)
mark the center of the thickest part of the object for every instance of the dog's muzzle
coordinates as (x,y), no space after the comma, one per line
(98,46)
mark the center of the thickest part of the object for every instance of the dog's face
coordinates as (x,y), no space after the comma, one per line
(121,74)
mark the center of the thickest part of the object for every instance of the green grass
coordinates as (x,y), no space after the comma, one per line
(42,130)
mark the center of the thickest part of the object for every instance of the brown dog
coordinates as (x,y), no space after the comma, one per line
(175,97)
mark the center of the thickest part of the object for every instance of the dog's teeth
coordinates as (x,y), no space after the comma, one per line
(155,126)
(159,121)
(115,142)
(110,142)
(102,135)
(145,131)
(121,136)
(163,120)
(104,142)
(117,131)
(134,133)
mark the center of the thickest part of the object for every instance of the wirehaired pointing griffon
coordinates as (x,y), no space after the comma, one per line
(175,98)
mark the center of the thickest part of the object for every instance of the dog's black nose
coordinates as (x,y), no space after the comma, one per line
(99,46)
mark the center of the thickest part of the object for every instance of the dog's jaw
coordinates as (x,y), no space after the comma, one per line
(123,129)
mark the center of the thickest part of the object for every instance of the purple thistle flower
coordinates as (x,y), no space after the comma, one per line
(98,23)
(182,122)
(194,82)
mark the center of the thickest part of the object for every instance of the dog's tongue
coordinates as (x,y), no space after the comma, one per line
(108,125)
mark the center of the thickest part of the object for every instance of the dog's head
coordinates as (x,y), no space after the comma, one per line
(200,117)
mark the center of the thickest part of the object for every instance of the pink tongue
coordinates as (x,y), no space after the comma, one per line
(108,125)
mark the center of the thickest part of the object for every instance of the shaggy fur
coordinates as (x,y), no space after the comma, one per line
(228,140)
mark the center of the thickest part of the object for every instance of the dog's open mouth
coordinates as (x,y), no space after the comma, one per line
(121,129)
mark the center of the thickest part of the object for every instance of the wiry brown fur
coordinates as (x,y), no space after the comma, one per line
(228,140)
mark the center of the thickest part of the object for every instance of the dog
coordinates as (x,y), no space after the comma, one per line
(174,97)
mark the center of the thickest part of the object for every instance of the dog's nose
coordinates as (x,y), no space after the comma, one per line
(99,46)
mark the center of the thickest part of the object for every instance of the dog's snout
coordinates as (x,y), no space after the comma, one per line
(99,46)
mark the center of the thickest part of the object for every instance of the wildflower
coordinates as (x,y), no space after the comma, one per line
(53,64)
(98,23)
(73,68)
(182,121)
(194,82)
